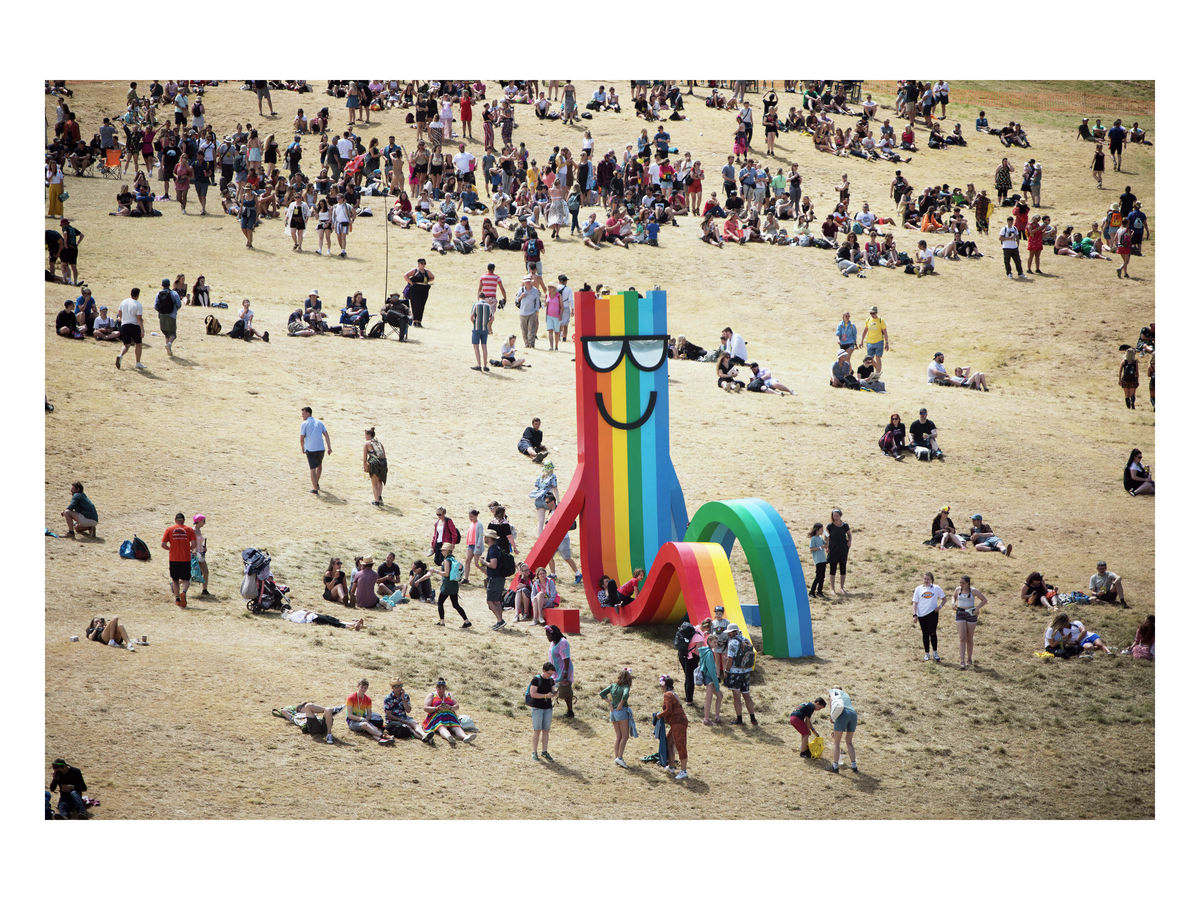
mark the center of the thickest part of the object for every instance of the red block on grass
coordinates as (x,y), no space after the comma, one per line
(567,620)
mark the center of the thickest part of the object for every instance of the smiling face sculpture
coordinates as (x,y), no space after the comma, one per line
(628,501)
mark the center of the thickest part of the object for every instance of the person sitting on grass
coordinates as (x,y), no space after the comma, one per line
(892,441)
(767,383)
(983,538)
(1137,476)
(442,716)
(66,324)
(508,355)
(360,718)
(397,718)
(104,327)
(1070,638)
(842,372)
(420,582)
(1143,641)
(1106,586)
(1036,592)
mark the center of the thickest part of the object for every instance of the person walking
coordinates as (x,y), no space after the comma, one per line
(1010,242)
(927,600)
(314,443)
(343,222)
(167,303)
(875,338)
(129,313)
(375,465)
(539,697)
(452,573)
(839,550)
(845,722)
(179,541)
(419,281)
(620,714)
(967,603)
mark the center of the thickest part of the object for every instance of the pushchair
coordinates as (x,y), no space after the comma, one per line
(258,584)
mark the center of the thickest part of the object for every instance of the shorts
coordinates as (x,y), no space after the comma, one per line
(875,349)
(847,721)
(566,691)
(341,227)
(180,118)
(621,715)
(264,94)
(167,324)
(69,255)
(801,725)
(963,615)
(738,681)
(85,522)
(541,718)
(494,588)
(180,571)
(523,445)
(992,542)
(314,458)
(131,334)
(479,336)
(553,323)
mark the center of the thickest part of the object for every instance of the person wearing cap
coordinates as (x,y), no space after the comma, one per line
(875,338)
(360,718)
(936,371)
(397,713)
(198,560)
(493,581)
(739,654)
(364,584)
(464,238)
(69,783)
(1106,586)
(984,539)
(104,327)
(180,542)
(924,436)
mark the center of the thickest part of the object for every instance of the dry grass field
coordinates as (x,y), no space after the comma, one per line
(182,728)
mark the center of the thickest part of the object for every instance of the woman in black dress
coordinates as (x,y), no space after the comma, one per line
(1098,165)
(838,533)
(418,281)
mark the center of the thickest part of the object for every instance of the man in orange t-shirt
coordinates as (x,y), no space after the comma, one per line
(180,541)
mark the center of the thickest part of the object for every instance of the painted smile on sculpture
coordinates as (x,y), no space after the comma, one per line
(646,352)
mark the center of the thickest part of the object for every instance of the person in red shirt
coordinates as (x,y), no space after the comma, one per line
(628,592)
(179,541)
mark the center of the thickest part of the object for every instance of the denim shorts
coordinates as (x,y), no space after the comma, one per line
(620,715)
(847,721)
(541,718)
(875,350)
(479,336)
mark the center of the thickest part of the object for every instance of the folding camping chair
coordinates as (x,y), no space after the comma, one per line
(110,166)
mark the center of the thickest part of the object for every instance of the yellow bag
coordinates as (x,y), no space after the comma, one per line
(816,746)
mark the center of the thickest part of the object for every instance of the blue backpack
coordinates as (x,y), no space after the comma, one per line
(456,569)
(135,549)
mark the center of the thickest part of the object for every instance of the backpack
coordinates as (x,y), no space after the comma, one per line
(139,548)
(376,330)
(746,656)
(1114,219)
(163,303)
(212,325)
(508,566)
(238,330)
(456,569)
(1129,371)
(197,108)
(683,636)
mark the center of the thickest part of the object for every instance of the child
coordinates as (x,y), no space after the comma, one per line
(720,640)
(474,543)
(553,313)
(818,545)
(628,592)
(674,716)
(801,719)
(508,354)
(198,555)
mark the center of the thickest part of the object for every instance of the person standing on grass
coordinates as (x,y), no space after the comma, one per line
(167,304)
(675,717)
(739,650)
(444,532)
(564,668)
(1127,377)
(818,545)
(844,726)
(180,542)
(489,284)
(130,315)
(1124,247)
(620,714)
(493,581)
(839,550)
(199,556)
(927,600)
(475,548)
(1116,143)
(801,719)
(375,465)
(1010,242)
(540,699)
(480,317)
(875,339)
(967,603)
(314,443)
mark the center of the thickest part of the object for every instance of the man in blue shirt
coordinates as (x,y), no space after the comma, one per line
(314,441)
(662,141)
(1116,143)
(1136,220)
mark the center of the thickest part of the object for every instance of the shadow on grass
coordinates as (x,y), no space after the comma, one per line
(183,361)
(576,725)
(327,497)
(557,768)
(802,661)
(752,734)
(146,373)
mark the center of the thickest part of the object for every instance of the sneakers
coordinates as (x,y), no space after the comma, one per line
(833,767)
(535,756)
(753,721)
(806,754)
(936,658)
(386,739)
(737,721)
(113,644)
(329,738)
(620,762)
(139,366)
(334,710)
(546,756)
(682,776)
(579,578)
(118,360)
(181,602)
(926,657)
(466,624)
(854,768)
(470,737)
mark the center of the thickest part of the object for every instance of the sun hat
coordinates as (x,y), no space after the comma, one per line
(874,309)
(732,628)
(368,560)
(313,293)
(447,547)
(548,466)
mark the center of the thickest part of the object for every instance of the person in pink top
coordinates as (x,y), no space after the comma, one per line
(475,547)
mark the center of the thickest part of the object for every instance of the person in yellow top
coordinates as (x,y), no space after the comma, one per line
(875,337)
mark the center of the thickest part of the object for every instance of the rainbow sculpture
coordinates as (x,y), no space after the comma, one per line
(629,504)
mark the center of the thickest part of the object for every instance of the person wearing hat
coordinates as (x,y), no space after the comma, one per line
(104,327)
(180,542)
(1106,586)
(69,783)
(739,654)
(198,560)
(364,584)
(984,539)
(493,580)
(875,339)
(842,372)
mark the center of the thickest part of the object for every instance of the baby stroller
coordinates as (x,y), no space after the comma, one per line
(258,584)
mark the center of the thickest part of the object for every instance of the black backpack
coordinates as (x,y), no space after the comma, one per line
(140,550)
(508,566)
(376,330)
(238,329)
(683,636)
(746,654)
(164,303)
(1129,371)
